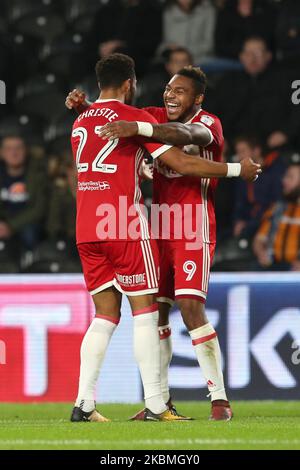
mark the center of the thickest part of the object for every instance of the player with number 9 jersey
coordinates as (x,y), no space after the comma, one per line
(112,230)
(186,261)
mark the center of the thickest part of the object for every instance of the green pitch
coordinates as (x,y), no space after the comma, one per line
(256,425)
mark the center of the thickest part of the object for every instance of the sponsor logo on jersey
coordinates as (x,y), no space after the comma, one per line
(207,120)
(93,185)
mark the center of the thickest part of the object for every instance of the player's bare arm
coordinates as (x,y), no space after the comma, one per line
(174,133)
(195,166)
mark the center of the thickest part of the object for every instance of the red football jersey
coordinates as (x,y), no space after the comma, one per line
(109,199)
(169,187)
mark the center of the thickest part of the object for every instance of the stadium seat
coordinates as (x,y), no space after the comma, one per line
(54,257)
(24,55)
(26,126)
(65,55)
(58,132)
(234,255)
(80,14)
(41,96)
(39,18)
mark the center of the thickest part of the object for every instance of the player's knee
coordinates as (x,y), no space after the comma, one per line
(193,313)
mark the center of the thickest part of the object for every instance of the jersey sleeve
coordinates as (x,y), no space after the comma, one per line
(214,127)
(154,148)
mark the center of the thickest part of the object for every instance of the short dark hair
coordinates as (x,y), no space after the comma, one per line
(114,70)
(198,77)
(251,140)
(167,53)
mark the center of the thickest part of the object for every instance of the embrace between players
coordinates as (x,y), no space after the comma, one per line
(109,140)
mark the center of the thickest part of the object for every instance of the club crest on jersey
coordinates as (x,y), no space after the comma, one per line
(208,120)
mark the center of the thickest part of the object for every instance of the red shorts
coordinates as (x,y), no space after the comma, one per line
(132,267)
(183,273)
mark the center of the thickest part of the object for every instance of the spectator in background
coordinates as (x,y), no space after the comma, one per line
(191,24)
(23,194)
(288,30)
(129,26)
(252,199)
(151,88)
(62,207)
(277,242)
(240,19)
(256,100)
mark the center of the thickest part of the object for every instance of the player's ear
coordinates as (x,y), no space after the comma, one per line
(199,99)
(127,85)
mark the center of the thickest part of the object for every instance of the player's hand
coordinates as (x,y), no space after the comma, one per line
(76,99)
(115,130)
(250,170)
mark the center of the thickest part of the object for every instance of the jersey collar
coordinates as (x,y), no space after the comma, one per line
(105,101)
(193,117)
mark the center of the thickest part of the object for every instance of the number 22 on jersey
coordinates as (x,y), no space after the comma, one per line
(98,162)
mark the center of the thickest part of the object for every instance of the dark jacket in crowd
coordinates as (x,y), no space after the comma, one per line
(138,24)
(62,212)
(24,202)
(232,29)
(251,105)
(253,199)
(288,29)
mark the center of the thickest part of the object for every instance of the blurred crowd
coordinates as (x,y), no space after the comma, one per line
(250,51)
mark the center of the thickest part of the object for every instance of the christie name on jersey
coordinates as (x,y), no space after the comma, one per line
(107,113)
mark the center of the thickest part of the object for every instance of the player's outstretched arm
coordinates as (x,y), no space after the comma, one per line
(194,166)
(173,133)
(76,100)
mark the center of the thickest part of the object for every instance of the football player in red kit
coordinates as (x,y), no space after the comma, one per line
(185,261)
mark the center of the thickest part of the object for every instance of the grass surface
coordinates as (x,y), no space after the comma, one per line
(256,425)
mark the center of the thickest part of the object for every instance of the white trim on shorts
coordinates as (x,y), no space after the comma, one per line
(199,293)
(136,292)
(166,300)
(102,287)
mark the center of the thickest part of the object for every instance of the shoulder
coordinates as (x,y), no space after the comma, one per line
(207,118)
(160,114)
(135,114)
